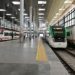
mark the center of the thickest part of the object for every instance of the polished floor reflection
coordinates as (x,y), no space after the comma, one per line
(20,58)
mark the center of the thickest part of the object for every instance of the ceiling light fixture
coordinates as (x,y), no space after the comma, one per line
(8,14)
(13,17)
(61,9)
(42,2)
(41,9)
(25,14)
(2,10)
(26,17)
(16,2)
(57,14)
(41,17)
(41,14)
(68,1)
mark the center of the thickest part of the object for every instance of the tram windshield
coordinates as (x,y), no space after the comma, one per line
(58,33)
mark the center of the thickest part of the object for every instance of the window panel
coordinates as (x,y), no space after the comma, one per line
(73,21)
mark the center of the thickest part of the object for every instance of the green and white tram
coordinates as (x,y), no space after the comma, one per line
(57,37)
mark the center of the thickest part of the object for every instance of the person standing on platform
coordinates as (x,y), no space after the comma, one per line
(20,37)
(23,37)
(12,35)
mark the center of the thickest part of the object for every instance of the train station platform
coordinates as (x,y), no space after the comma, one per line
(31,57)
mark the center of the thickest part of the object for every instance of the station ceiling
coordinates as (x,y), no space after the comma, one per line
(13,9)
(51,8)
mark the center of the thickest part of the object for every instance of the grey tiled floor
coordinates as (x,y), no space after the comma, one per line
(56,67)
(20,59)
(18,69)
(15,52)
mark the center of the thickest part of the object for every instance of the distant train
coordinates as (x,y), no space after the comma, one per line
(8,34)
(57,37)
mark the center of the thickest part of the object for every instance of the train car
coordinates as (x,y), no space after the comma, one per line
(57,37)
(8,34)
(5,34)
(1,34)
(16,34)
(71,35)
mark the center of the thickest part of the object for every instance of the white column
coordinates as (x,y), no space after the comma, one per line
(21,14)
(30,18)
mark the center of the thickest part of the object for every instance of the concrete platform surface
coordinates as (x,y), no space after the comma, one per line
(20,59)
(56,67)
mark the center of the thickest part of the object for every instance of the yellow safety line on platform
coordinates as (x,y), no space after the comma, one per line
(41,54)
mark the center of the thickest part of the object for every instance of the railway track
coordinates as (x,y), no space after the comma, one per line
(71,52)
(67,57)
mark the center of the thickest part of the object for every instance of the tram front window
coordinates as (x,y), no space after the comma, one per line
(59,35)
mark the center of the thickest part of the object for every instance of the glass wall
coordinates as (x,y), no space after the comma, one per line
(68,19)
(8,24)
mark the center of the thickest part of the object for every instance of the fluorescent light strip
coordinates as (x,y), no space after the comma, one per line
(61,9)
(41,14)
(57,14)
(41,17)
(27,17)
(2,10)
(42,2)
(41,9)
(8,14)
(25,14)
(68,1)
(16,2)
(13,17)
